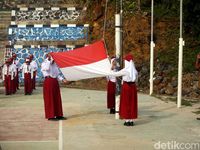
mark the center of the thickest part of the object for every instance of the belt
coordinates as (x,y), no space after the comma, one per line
(129,82)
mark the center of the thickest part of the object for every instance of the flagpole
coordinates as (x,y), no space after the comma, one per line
(152,45)
(180,62)
(118,49)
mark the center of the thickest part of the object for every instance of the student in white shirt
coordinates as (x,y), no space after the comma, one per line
(51,90)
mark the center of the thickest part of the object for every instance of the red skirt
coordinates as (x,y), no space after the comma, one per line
(34,80)
(7,84)
(52,98)
(128,101)
(27,83)
(13,86)
(111,87)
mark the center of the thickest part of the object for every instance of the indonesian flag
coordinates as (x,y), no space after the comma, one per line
(82,63)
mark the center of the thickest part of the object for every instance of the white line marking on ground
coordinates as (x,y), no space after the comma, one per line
(27,141)
(60,138)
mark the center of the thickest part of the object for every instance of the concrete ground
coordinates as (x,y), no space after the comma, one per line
(90,126)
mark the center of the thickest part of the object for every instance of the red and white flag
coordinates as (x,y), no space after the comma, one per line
(82,63)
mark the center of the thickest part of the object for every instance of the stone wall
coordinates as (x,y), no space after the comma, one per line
(47,14)
(35,31)
(52,32)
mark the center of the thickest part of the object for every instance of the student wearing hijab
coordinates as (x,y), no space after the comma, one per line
(111,88)
(51,90)
(128,109)
(27,74)
(7,75)
(17,64)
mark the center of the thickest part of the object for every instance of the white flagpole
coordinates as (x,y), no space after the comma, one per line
(118,56)
(118,48)
(152,45)
(180,62)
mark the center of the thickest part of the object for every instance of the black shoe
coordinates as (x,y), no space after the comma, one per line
(53,119)
(198,118)
(131,123)
(61,118)
(112,111)
(126,123)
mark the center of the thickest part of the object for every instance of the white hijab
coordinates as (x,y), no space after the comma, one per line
(131,72)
